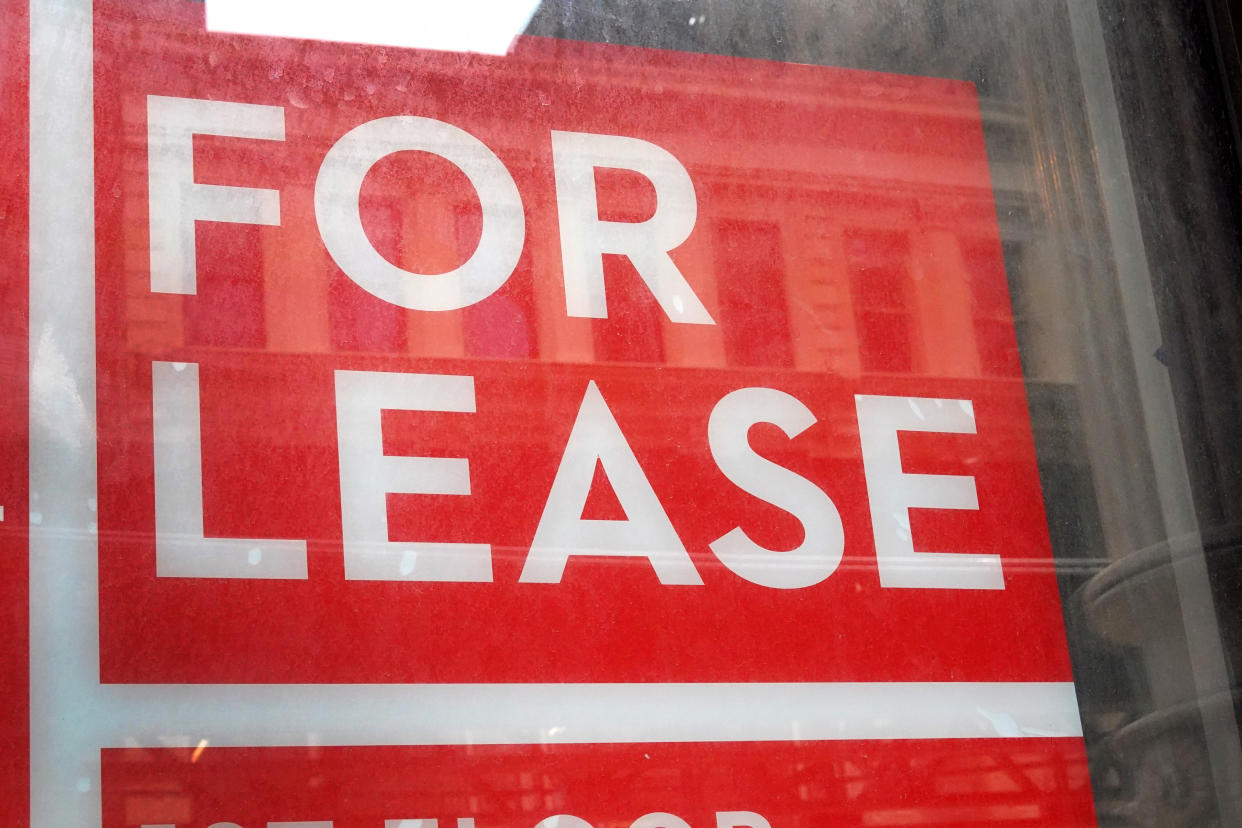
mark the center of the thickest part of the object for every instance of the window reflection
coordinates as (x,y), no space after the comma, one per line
(840,255)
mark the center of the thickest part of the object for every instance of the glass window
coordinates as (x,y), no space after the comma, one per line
(597,413)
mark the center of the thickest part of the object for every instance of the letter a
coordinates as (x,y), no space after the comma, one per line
(645,533)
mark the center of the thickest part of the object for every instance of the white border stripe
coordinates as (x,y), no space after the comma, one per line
(64,657)
(540,713)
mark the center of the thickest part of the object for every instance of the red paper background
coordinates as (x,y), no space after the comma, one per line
(846,243)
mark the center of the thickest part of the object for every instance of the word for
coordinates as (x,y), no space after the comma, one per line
(177,202)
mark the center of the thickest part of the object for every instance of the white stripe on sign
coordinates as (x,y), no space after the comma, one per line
(450,714)
(64,651)
(486,26)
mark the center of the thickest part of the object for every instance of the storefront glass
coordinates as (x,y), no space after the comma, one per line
(591,413)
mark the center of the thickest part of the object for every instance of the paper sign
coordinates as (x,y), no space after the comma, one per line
(590,435)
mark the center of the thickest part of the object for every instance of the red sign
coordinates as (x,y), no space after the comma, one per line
(586,364)
(639,435)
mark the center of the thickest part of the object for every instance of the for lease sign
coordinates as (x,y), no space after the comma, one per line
(497,425)
(583,364)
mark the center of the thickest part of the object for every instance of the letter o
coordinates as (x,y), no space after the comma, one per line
(339,184)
